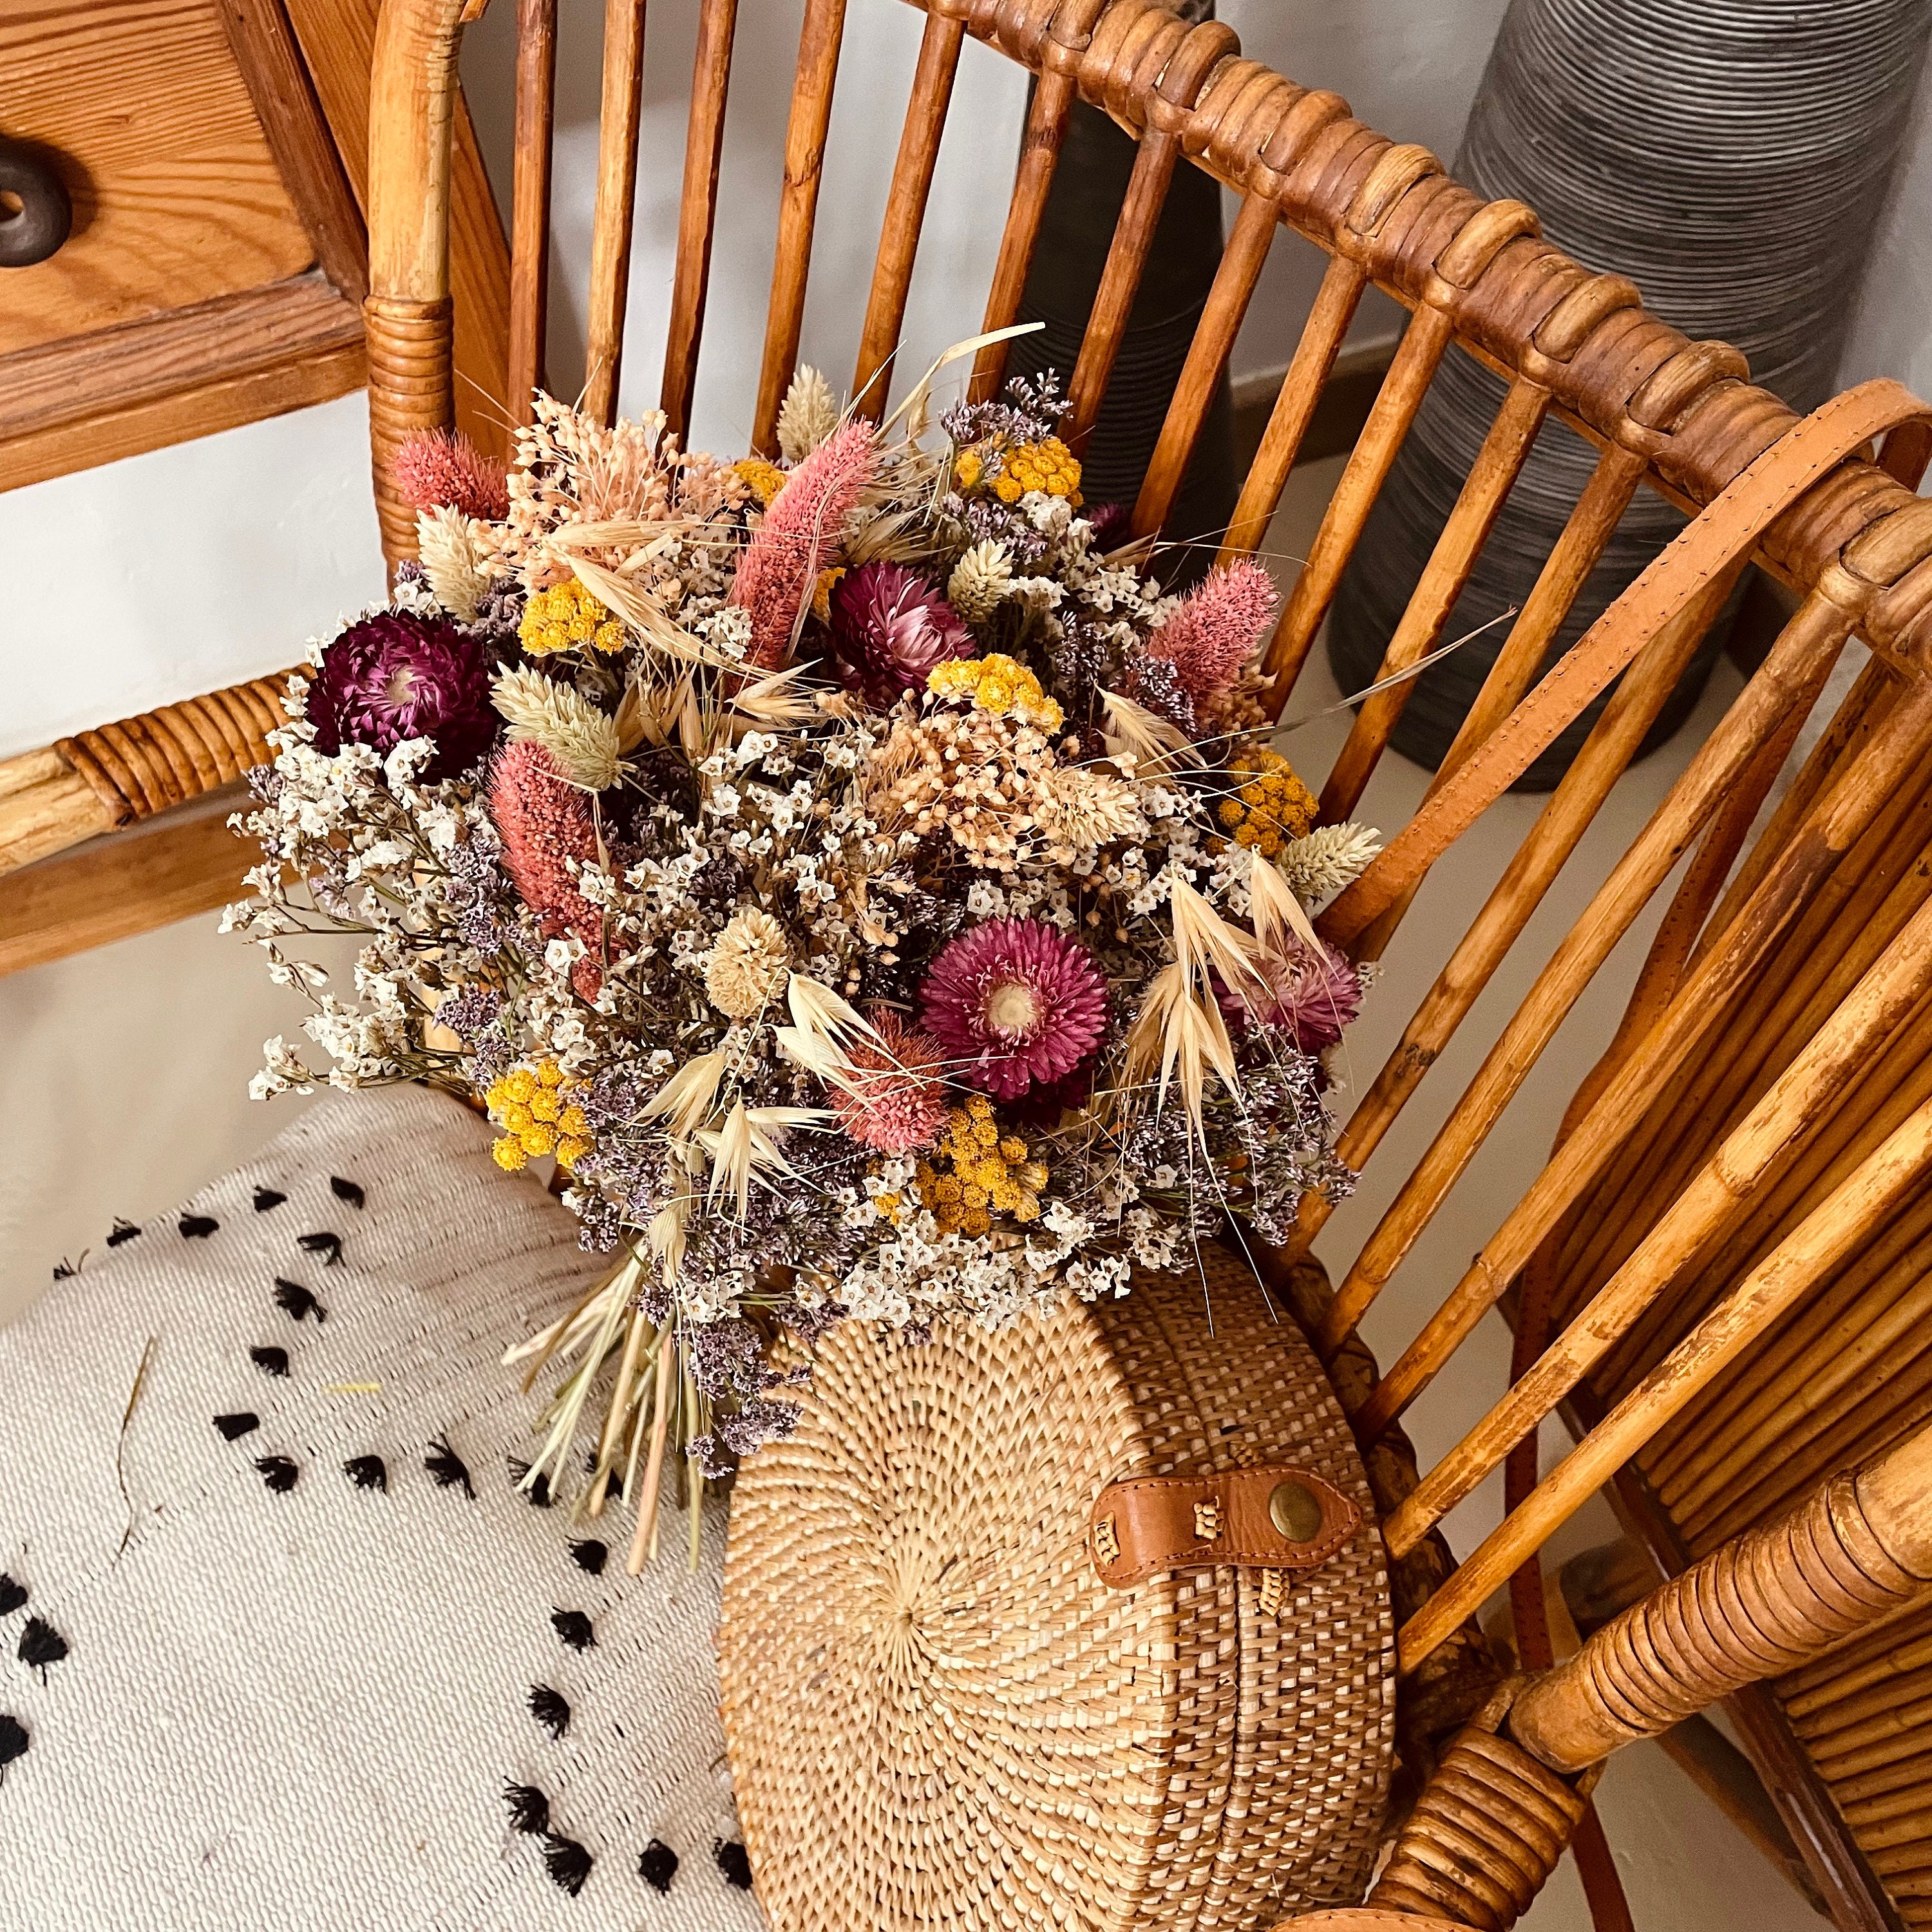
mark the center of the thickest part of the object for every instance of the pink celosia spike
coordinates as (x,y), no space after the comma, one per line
(544,822)
(798,538)
(1218,627)
(438,468)
(894,1095)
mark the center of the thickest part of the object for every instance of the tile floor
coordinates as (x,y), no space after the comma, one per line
(126,1071)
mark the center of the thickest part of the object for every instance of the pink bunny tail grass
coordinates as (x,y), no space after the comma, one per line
(1218,627)
(437,468)
(798,539)
(544,822)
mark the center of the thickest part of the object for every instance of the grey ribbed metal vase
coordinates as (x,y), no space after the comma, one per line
(1732,158)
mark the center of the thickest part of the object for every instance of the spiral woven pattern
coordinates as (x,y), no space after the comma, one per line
(938,1715)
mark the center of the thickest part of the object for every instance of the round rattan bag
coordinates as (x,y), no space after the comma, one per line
(1083,1623)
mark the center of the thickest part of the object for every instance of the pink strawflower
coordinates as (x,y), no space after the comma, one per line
(1218,627)
(899,1103)
(544,822)
(1315,997)
(798,538)
(437,468)
(889,627)
(1016,1004)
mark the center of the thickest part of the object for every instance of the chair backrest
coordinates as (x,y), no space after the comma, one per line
(1825,505)
(1799,497)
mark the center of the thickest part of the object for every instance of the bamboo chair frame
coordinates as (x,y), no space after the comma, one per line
(1825,504)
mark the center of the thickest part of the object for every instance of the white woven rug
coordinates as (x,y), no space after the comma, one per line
(283,1702)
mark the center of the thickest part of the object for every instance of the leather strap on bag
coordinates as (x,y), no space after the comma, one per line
(1272,1517)
(1720,533)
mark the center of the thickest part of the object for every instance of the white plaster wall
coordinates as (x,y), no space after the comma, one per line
(1892,327)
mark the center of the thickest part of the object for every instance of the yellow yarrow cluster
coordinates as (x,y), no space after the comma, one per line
(766,479)
(531,1105)
(1010,473)
(997,684)
(1050,467)
(821,592)
(991,1175)
(1272,805)
(567,617)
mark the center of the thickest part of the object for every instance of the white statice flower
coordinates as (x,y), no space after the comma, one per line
(283,1071)
(1038,593)
(727,630)
(414,594)
(1104,1278)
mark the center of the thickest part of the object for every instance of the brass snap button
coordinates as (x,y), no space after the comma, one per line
(1294,1511)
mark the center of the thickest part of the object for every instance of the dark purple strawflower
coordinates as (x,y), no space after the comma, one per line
(397,676)
(1110,522)
(889,628)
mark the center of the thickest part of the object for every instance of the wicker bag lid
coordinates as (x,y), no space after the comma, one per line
(939,1715)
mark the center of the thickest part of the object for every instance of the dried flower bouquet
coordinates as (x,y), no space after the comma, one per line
(875,896)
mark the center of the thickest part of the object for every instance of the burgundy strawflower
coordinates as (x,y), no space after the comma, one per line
(1217,628)
(889,627)
(397,676)
(781,565)
(1110,523)
(438,468)
(544,822)
(1015,1003)
(1314,996)
(897,1100)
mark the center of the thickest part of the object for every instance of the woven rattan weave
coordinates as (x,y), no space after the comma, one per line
(939,1715)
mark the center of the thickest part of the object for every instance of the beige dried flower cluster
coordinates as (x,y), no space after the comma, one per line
(748,964)
(980,582)
(571,470)
(1077,810)
(457,555)
(808,416)
(585,741)
(991,781)
(1317,867)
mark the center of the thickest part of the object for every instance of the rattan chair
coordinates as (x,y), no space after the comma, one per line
(1825,505)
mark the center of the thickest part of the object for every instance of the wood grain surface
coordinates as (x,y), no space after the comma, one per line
(176,194)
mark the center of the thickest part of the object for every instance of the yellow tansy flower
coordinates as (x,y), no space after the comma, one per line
(1272,808)
(1049,467)
(998,684)
(766,479)
(567,617)
(991,1173)
(531,1105)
